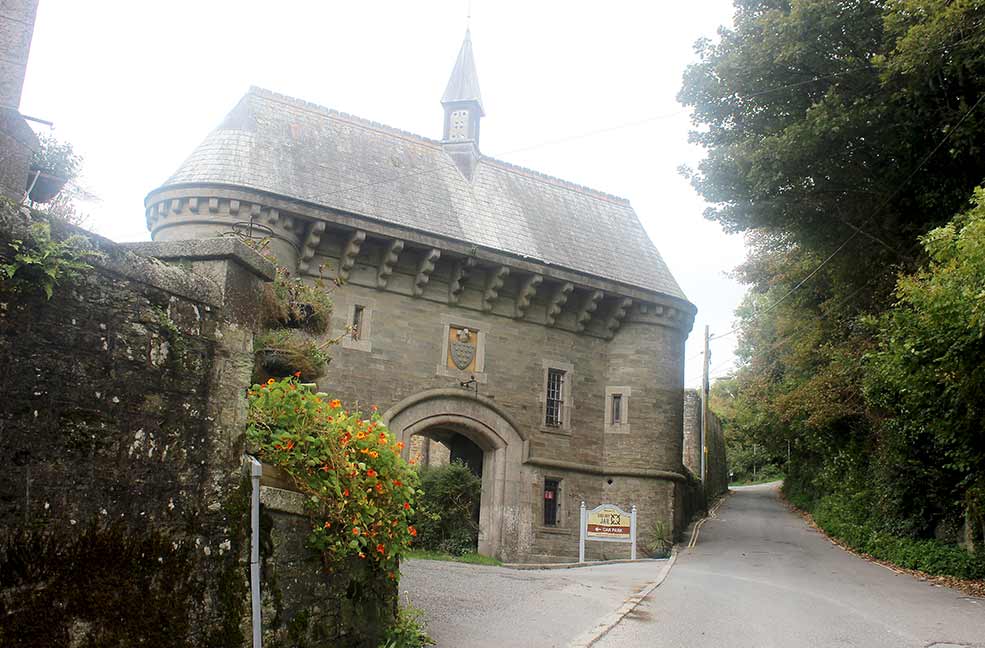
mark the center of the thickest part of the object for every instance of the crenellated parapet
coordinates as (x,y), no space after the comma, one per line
(389,258)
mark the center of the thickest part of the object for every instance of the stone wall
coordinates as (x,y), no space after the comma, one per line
(17,141)
(124,505)
(716,466)
(400,355)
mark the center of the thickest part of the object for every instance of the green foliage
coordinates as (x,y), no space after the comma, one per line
(56,158)
(39,263)
(471,558)
(292,302)
(927,375)
(361,491)
(838,134)
(447,513)
(407,631)
(845,518)
(658,540)
(283,352)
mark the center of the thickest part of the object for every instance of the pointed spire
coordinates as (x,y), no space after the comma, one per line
(464,82)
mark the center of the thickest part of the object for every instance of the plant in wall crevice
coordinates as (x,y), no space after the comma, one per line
(39,263)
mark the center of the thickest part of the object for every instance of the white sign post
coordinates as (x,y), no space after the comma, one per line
(607,523)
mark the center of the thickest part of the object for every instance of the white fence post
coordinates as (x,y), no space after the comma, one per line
(581,533)
(632,532)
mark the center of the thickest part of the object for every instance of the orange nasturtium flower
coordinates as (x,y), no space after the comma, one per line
(381,548)
(345,493)
(328,525)
(271,381)
(406,506)
(360,435)
(374,454)
(297,374)
(371,473)
(412,531)
(379,488)
(400,445)
(355,530)
(335,403)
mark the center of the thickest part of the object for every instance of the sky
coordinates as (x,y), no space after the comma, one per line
(585,91)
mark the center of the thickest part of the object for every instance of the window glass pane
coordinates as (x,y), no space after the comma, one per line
(555,397)
(550,501)
(616,408)
(357,322)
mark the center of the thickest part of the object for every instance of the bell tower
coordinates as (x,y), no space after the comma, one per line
(462,102)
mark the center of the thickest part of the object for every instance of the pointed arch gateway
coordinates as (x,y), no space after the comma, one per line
(493,430)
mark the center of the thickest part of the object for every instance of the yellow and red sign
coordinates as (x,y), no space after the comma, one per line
(608,522)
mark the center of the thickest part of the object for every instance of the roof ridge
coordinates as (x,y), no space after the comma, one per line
(539,175)
(331,112)
(369,123)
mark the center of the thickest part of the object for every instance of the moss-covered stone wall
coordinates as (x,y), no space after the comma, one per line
(124,506)
(122,511)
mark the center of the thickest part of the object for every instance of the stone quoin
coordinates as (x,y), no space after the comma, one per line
(521,323)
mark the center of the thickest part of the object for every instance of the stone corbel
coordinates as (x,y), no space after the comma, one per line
(390,256)
(493,285)
(349,254)
(424,271)
(527,291)
(617,316)
(310,244)
(590,305)
(458,278)
(272,217)
(558,300)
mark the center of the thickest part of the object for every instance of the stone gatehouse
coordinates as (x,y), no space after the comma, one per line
(525,323)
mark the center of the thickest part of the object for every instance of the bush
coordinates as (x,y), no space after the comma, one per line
(291,302)
(846,519)
(361,490)
(406,631)
(56,158)
(282,352)
(446,517)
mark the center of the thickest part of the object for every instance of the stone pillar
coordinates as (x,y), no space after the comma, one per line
(17,141)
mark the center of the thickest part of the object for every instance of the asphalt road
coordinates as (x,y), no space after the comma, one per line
(759,577)
(470,606)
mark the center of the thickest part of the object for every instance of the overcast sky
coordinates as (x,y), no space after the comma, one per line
(580,90)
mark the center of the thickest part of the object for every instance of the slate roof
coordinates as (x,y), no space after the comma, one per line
(298,150)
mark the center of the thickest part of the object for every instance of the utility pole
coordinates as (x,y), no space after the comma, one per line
(704,400)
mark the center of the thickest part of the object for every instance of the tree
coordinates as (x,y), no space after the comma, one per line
(838,133)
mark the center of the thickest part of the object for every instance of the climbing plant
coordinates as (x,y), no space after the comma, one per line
(361,492)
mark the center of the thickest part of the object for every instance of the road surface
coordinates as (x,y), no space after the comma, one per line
(760,577)
(476,606)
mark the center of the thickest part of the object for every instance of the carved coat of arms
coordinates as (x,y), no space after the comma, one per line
(462,349)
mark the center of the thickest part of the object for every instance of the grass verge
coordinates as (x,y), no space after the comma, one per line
(931,560)
(756,482)
(471,558)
